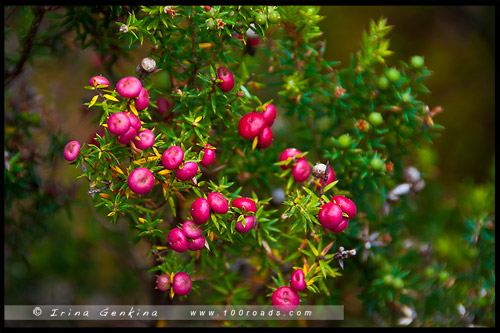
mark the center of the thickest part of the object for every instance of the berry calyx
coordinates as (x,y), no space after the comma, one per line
(375,118)
(218,203)
(187,171)
(297,281)
(288,153)
(177,240)
(71,150)
(191,229)
(250,125)
(163,282)
(265,138)
(197,244)
(172,157)
(142,100)
(118,123)
(146,139)
(227,78)
(246,203)
(208,155)
(330,215)
(141,180)
(269,114)
(285,299)
(129,87)
(99,81)
(331,178)
(347,205)
(200,210)
(249,222)
(181,283)
(301,170)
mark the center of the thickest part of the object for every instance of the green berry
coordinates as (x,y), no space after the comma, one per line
(406,98)
(344,141)
(398,283)
(376,164)
(274,17)
(443,276)
(383,83)
(388,279)
(393,74)
(260,18)
(210,24)
(429,272)
(417,61)
(375,119)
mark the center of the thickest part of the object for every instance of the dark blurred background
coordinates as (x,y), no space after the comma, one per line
(80,258)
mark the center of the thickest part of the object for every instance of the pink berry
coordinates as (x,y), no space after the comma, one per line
(347,205)
(118,123)
(200,210)
(197,244)
(265,138)
(301,170)
(163,105)
(297,281)
(288,153)
(177,240)
(163,282)
(187,171)
(99,80)
(269,114)
(208,156)
(218,203)
(246,203)
(172,157)
(253,41)
(126,137)
(142,100)
(331,178)
(330,215)
(341,226)
(129,87)
(249,222)
(141,180)
(147,139)
(285,299)
(135,122)
(227,78)
(182,283)
(191,229)
(250,125)
(71,150)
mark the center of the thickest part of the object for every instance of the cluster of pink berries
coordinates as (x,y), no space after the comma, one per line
(301,168)
(286,298)
(181,283)
(331,215)
(255,124)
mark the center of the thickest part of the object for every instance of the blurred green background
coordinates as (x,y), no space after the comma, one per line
(76,257)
